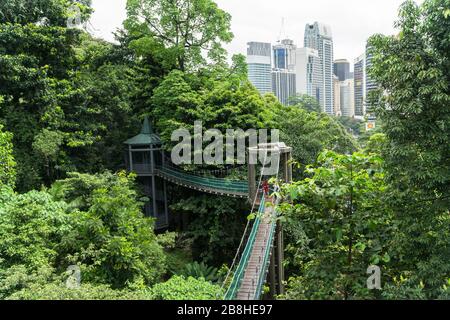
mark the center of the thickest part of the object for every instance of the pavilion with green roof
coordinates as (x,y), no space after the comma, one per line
(144,156)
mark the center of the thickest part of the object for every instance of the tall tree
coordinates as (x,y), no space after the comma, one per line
(336,225)
(66,97)
(183,98)
(182,31)
(413,73)
(36,57)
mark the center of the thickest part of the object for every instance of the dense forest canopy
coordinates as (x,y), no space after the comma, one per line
(68,101)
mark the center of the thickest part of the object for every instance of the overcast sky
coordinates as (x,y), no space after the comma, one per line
(351,21)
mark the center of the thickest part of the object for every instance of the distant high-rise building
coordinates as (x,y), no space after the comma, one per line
(308,72)
(259,64)
(283,84)
(341,69)
(318,36)
(337,96)
(347,98)
(284,55)
(283,73)
(360,86)
(370,84)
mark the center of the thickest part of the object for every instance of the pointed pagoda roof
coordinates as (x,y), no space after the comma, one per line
(146,137)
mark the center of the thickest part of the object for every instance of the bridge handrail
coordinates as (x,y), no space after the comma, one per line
(240,270)
(207,183)
(193,174)
(201,173)
(221,184)
(266,260)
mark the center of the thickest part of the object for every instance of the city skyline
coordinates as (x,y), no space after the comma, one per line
(352,21)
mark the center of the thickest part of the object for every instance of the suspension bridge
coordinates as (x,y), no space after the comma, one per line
(260,253)
(212,185)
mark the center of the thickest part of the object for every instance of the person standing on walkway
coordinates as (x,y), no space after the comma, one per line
(265,187)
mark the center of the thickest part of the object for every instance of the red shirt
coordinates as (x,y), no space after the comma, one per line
(265,187)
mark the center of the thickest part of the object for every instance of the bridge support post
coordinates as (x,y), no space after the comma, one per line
(280,258)
(272,276)
(251,178)
(276,276)
(286,167)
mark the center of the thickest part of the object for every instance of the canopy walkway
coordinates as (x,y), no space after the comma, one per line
(250,273)
(255,254)
(219,186)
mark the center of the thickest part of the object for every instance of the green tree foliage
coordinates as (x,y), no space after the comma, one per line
(180,288)
(111,239)
(176,288)
(32,227)
(184,98)
(147,71)
(58,291)
(200,270)
(365,135)
(63,93)
(351,124)
(305,102)
(36,56)
(412,70)
(308,133)
(46,12)
(375,143)
(179,31)
(337,225)
(95,222)
(20,283)
(215,226)
(7,163)
(100,110)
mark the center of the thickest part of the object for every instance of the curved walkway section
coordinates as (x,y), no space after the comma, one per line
(226,187)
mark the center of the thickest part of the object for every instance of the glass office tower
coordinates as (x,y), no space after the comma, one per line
(318,36)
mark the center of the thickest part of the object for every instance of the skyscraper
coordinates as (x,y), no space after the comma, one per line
(337,96)
(259,62)
(283,73)
(308,72)
(360,87)
(370,84)
(318,36)
(283,84)
(284,55)
(341,68)
(347,98)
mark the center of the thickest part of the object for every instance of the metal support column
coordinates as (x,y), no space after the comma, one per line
(251,177)
(280,258)
(152,170)
(272,275)
(130,155)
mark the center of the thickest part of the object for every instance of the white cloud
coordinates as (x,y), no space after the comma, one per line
(352,21)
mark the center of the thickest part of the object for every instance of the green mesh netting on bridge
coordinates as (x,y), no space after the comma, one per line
(221,185)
